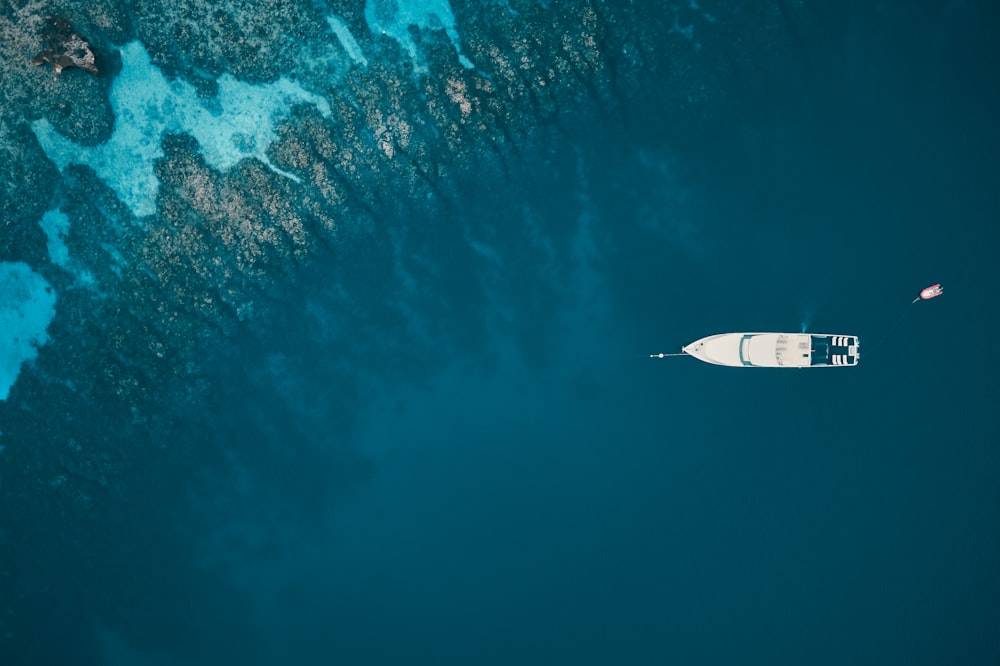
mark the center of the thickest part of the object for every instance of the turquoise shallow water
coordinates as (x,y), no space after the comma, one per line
(445,442)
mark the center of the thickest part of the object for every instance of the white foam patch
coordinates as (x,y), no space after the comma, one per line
(27,306)
(347,40)
(394,18)
(239,125)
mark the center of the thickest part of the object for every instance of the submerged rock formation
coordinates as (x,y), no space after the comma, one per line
(64,48)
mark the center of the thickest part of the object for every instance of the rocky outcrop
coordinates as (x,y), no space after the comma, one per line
(64,48)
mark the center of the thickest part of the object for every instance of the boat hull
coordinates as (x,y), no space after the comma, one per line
(777,350)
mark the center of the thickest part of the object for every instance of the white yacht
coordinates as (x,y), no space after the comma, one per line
(776,350)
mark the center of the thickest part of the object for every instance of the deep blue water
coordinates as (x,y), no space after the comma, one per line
(543,492)
(593,506)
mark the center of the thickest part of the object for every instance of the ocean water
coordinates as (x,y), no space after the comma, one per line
(327,333)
